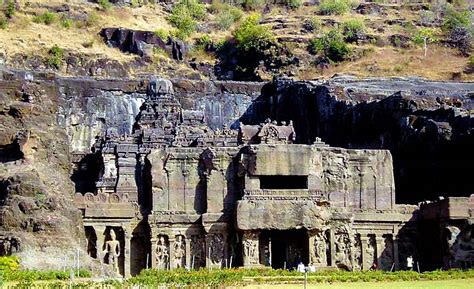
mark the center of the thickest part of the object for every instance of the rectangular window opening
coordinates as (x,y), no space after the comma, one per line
(283,182)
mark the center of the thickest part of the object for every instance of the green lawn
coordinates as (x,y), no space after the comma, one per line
(444,284)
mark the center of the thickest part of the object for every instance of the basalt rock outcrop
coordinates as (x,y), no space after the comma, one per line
(143,42)
(37,220)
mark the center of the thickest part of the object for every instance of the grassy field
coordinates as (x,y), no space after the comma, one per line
(444,284)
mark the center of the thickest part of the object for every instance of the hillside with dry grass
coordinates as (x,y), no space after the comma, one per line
(378,39)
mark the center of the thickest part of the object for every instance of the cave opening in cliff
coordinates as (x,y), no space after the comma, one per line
(284,248)
(283,182)
(86,172)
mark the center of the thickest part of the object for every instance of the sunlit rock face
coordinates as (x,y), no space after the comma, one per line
(108,110)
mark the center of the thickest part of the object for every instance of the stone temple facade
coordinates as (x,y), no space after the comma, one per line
(176,194)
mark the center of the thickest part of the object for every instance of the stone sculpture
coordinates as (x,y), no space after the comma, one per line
(179,252)
(162,253)
(250,248)
(217,248)
(320,248)
(112,249)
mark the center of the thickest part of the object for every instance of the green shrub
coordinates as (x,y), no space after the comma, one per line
(427,17)
(105,4)
(9,263)
(253,4)
(55,57)
(454,19)
(331,45)
(293,4)
(92,19)
(312,24)
(251,36)
(471,61)
(3,23)
(29,276)
(203,42)
(65,22)
(163,34)
(184,15)
(419,36)
(352,28)
(47,18)
(11,9)
(458,29)
(334,7)
(228,16)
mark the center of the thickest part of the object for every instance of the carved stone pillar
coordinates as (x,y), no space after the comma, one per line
(250,249)
(188,250)
(171,240)
(154,242)
(395,253)
(225,254)
(364,241)
(379,249)
(127,248)
(100,233)
(207,252)
(332,248)
(311,249)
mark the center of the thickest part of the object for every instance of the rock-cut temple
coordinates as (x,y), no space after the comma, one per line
(175,193)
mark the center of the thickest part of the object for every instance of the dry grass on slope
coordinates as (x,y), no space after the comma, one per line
(25,36)
(441,63)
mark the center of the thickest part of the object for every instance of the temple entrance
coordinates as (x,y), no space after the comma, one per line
(284,249)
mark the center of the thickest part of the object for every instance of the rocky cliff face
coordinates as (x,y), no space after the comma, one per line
(426,125)
(47,120)
(36,193)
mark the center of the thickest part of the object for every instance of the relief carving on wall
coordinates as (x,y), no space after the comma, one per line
(343,244)
(250,248)
(162,253)
(216,248)
(319,249)
(179,252)
(198,257)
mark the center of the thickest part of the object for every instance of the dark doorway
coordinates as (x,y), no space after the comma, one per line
(140,251)
(283,182)
(288,247)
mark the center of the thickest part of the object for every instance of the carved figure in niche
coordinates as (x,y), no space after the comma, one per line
(370,250)
(179,252)
(250,246)
(320,248)
(269,134)
(197,251)
(342,242)
(112,249)
(216,245)
(358,253)
(162,253)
